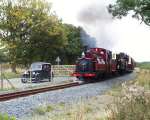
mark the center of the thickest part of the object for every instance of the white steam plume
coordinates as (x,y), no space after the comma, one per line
(97,21)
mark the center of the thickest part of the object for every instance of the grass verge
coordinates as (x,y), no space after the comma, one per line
(133,101)
(6,117)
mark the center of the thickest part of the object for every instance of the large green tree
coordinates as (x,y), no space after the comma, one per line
(30,30)
(73,48)
(140,8)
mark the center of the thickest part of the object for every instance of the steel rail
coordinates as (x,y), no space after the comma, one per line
(18,94)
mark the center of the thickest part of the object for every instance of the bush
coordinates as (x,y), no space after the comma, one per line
(40,110)
(49,108)
(143,78)
(133,104)
(6,117)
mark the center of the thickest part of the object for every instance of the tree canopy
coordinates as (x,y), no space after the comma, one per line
(74,46)
(33,32)
(141,9)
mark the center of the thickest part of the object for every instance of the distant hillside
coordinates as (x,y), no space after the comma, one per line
(143,65)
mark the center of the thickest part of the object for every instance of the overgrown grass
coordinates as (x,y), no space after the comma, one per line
(6,89)
(143,78)
(89,109)
(133,102)
(115,91)
(10,75)
(6,117)
(6,70)
(130,105)
(42,110)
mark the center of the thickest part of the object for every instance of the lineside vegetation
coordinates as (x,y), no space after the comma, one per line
(31,31)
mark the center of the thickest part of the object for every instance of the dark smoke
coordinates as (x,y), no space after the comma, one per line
(97,21)
(87,39)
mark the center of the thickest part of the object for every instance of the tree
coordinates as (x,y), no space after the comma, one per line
(73,48)
(30,30)
(141,9)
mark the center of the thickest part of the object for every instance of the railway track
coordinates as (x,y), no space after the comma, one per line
(13,95)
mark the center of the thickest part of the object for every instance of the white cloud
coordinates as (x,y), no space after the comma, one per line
(129,35)
(133,38)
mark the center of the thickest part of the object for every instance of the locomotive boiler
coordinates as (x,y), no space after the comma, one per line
(99,62)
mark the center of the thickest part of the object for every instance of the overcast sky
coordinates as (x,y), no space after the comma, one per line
(127,35)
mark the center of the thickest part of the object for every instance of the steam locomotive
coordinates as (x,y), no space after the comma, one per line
(99,62)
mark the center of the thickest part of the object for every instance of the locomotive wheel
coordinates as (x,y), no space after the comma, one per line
(100,77)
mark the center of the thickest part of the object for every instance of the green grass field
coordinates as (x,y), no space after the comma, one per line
(143,65)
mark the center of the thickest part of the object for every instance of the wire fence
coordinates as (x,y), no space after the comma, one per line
(62,73)
(58,70)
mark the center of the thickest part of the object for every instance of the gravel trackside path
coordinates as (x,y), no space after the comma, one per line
(24,106)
